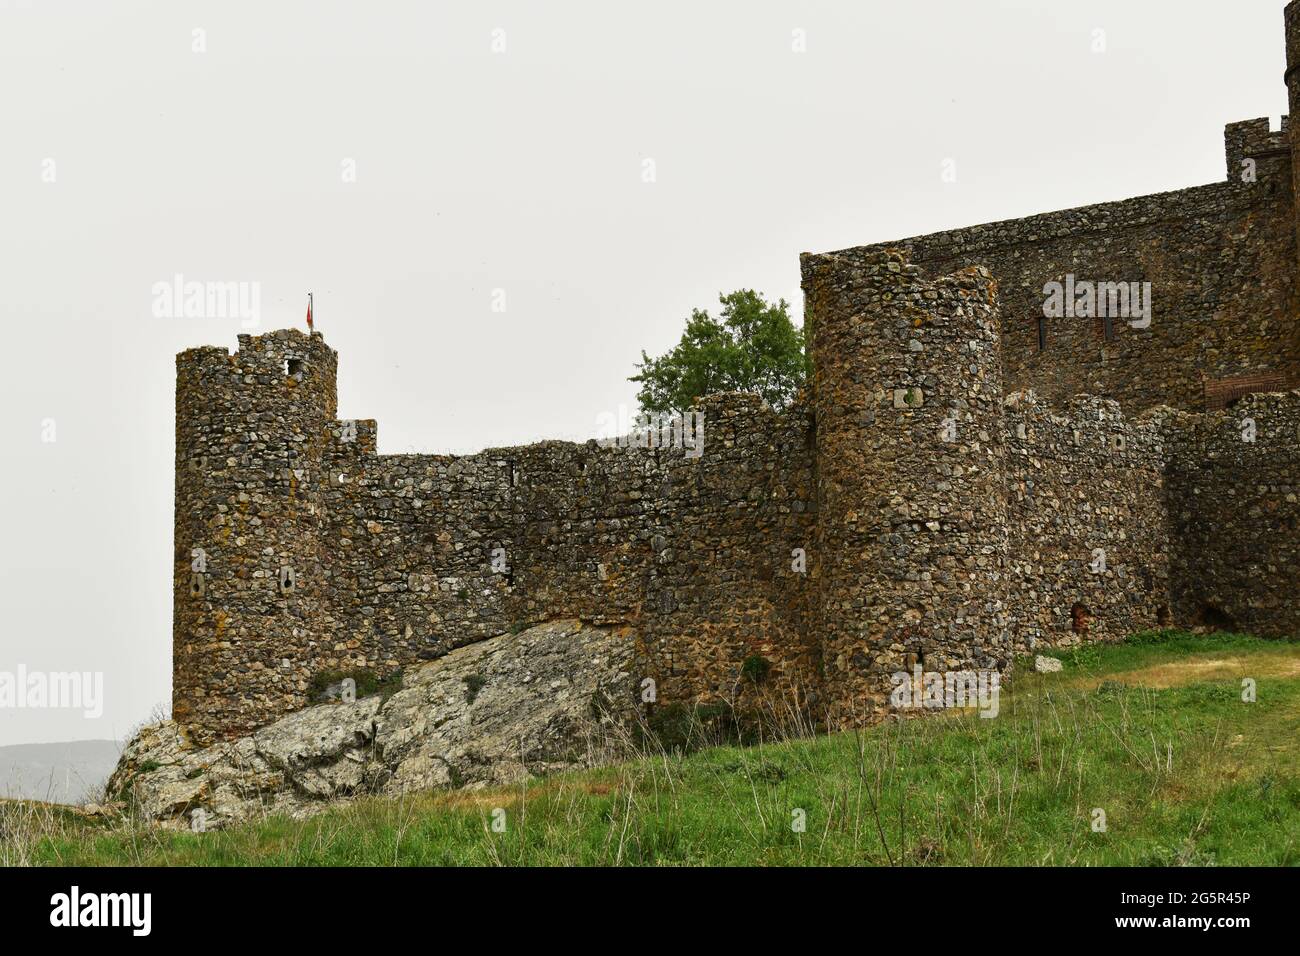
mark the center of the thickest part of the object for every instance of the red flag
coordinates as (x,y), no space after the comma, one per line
(309,325)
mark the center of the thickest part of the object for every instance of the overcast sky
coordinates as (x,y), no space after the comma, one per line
(130,156)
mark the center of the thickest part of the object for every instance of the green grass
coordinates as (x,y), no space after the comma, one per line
(1154,732)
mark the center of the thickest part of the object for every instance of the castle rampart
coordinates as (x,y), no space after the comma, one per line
(925,518)
(967,479)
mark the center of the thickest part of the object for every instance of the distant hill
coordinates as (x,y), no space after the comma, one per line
(59,773)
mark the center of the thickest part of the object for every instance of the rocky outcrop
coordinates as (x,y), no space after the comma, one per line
(557,696)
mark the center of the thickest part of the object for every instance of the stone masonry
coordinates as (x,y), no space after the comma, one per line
(967,479)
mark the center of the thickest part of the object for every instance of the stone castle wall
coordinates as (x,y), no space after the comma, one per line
(397,559)
(942,522)
(1089,535)
(1234,502)
(949,494)
(696,549)
(1221,260)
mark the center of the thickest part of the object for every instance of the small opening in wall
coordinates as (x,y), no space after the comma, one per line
(1213,617)
(1079,616)
(1163,617)
(1042,334)
(293,368)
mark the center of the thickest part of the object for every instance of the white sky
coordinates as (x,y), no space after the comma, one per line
(477,171)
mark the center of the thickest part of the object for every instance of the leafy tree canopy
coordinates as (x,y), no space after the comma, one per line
(751,347)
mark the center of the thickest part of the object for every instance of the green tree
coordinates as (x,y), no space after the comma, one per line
(751,347)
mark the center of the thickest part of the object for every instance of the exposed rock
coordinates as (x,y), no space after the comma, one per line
(554,697)
(1046,665)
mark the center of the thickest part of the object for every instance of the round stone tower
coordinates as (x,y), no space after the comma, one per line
(249,588)
(910,452)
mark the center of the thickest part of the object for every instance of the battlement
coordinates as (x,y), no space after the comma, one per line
(1254,139)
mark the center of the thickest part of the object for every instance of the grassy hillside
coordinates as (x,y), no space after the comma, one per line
(1154,732)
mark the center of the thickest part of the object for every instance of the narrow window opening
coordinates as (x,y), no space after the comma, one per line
(1079,619)
(1163,617)
(1042,334)
(293,368)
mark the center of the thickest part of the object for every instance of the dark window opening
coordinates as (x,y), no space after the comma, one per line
(1163,617)
(1042,334)
(1079,619)
(293,368)
(1108,328)
(1214,618)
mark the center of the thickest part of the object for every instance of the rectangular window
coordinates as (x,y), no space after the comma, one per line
(1042,334)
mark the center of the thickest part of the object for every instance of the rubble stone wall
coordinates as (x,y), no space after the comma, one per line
(250,539)
(1089,529)
(911,551)
(398,559)
(1234,500)
(1221,260)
